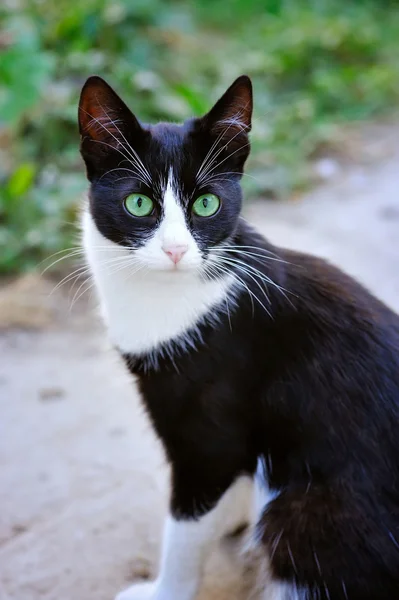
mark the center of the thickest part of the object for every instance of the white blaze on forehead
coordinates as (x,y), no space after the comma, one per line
(173,229)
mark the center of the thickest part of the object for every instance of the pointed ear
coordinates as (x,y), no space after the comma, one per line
(101,111)
(105,123)
(232,113)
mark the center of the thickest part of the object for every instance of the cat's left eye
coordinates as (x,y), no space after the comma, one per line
(139,205)
(206,205)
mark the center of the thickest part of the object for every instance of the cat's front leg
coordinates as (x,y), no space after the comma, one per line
(188,538)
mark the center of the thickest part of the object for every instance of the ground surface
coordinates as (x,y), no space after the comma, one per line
(82,480)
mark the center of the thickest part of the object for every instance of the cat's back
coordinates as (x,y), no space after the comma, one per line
(338,299)
(333,368)
(343,341)
(319,315)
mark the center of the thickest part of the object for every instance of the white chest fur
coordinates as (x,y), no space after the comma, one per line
(147,308)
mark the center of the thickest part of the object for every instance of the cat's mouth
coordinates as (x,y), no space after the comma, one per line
(171,263)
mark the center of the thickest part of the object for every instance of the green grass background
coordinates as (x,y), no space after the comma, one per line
(316,66)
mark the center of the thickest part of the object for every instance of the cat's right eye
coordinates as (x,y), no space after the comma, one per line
(139,205)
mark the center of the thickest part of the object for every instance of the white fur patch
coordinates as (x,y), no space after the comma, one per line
(172,231)
(263,494)
(149,302)
(264,585)
(187,544)
(282,591)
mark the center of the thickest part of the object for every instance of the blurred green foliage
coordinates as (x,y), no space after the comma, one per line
(315,65)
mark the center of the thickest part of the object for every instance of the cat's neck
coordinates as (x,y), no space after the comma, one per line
(145,310)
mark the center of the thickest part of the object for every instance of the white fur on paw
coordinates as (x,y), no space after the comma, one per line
(139,591)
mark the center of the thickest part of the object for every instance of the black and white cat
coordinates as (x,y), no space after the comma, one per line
(243,353)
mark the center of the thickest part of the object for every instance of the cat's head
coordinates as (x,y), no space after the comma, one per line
(170,193)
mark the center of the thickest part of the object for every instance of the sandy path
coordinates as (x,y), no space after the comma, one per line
(82,480)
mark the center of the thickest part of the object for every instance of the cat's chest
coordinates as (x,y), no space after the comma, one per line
(148,315)
(145,314)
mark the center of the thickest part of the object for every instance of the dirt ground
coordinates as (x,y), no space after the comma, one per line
(83,484)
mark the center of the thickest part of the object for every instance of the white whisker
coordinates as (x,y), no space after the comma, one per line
(70,255)
(85,268)
(251,276)
(132,150)
(261,275)
(134,158)
(200,177)
(276,543)
(229,156)
(72,248)
(213,270)
(138,175)
(76,251)
(237,250)
(250,292)
(134,173)
(209,153)
(121,263)
(70,277)
(209,168)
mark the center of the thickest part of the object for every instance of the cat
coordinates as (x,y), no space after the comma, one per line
(245,355)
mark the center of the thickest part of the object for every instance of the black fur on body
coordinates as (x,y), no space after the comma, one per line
(311,388)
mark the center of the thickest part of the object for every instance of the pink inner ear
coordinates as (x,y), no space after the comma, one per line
(236,120)
(97,120)
(232,113)
(100,110)
(238,112)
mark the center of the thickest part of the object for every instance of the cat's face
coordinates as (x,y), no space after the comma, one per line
(169,193)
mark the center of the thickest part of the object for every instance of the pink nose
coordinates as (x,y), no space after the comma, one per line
(175,252)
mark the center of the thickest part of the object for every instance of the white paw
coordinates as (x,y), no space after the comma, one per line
(155,590)
(139,591)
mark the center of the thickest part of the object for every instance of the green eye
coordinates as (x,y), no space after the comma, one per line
(206,205)
(139,205)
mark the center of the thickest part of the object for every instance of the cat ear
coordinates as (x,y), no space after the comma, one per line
(232,113)
(106,124)
(102,114)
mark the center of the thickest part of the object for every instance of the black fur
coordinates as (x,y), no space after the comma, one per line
(312,389)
